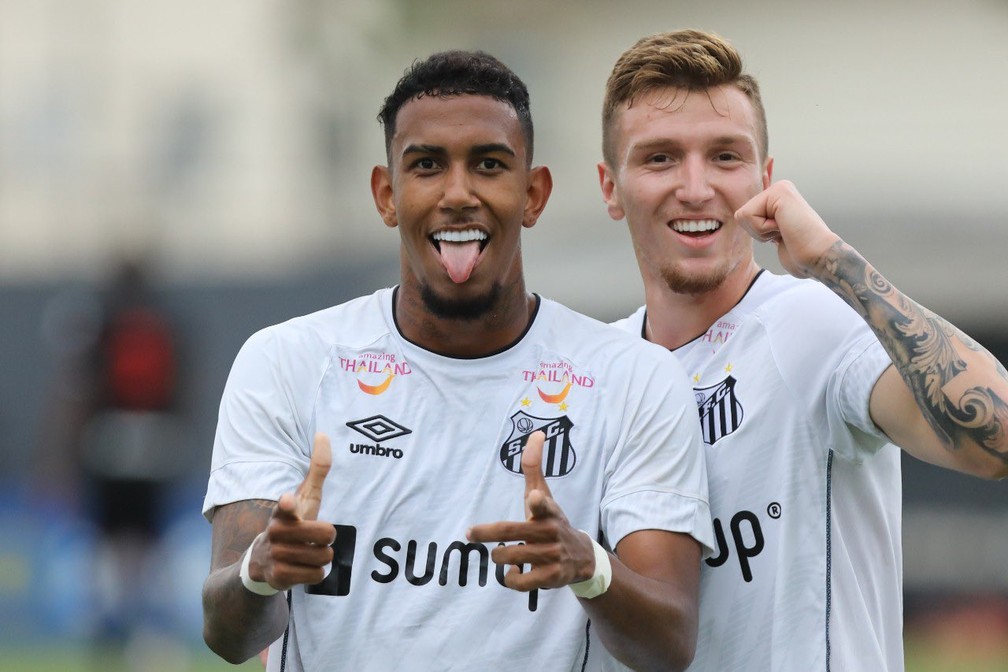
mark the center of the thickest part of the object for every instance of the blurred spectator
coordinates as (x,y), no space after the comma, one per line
(116,413)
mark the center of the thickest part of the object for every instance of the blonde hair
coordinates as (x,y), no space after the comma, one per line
(686,59)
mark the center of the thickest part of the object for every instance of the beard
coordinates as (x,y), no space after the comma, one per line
(467,310)
(694,284)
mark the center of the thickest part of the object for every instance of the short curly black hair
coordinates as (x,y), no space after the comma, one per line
(455,73)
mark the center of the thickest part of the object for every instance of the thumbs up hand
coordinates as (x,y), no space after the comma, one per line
(558,553)
(295,547)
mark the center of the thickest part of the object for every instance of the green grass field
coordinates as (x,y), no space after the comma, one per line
(59,659)
(920,657)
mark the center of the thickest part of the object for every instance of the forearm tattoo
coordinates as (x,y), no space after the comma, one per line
(237,525)
(236,617)
(927,351)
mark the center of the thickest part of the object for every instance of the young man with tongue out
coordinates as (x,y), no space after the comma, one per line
(397,480)
(803,383)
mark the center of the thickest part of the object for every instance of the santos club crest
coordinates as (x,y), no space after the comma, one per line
(720,410)
(558,453)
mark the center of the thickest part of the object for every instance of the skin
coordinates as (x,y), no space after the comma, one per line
(467,170)
(289,547)
(687,157)
(459,163)
(944,399)
(648,617)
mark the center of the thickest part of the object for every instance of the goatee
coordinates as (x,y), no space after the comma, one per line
(460,309)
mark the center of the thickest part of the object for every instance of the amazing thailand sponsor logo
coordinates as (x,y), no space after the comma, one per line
(375,371)
(555,379)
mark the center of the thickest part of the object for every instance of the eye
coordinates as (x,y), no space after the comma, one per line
(490,165)
(425,163)
(727,157)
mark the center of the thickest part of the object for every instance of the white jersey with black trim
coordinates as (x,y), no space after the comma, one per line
(805,490)
(424,447)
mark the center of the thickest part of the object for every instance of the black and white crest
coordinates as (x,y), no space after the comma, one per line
(720,410)
(558,453)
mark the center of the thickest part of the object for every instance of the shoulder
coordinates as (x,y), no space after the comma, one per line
(601,334)
(302,347)
(358,321)
(785,303)
(808,327)
(607,346)
(633,323)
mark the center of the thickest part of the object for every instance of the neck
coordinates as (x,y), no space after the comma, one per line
(676,319)
(493,331)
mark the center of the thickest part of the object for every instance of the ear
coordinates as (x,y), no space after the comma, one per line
(607,181)
(540,186)
(767,172)
(381,191)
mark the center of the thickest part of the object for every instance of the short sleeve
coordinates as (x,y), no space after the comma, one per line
(830,360)
(260,447)
(657,477)
(850,393)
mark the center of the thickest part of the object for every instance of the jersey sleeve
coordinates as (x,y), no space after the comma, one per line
(261,448)
(830,360)
(657,476)
(851,392)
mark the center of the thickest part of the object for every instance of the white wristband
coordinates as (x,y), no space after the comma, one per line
(257,587)
(600,580)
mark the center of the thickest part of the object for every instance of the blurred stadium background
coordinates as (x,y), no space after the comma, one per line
(228,145)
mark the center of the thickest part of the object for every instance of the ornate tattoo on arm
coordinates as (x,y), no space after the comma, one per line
(240,523)
(234,526)
(926,350)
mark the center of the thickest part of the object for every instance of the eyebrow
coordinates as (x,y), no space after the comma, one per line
(658,143)
(477,150)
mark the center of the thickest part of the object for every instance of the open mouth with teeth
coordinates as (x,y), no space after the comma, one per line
(459,251)
(695,228)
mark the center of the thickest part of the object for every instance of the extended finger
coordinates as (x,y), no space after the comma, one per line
(309,493)
(533,531)
(531,464)
(535,554)
(304,555)
(292,531)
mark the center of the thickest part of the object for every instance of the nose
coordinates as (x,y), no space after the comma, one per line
(694,181)
(458,191)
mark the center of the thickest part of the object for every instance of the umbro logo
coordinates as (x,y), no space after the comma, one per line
(377,428)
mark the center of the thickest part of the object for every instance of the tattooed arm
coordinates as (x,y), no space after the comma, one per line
(945,399)
(289,547)
(237,623)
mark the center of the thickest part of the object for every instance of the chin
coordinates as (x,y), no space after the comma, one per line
(467,308)
(682,282)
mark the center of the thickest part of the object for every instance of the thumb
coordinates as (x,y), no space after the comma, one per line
(309,493)
(536,489)
(754,216)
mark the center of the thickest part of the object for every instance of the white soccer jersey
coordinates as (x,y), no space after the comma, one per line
(805,490)
(425,446)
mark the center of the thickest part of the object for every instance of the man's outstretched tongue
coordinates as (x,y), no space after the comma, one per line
(459,259)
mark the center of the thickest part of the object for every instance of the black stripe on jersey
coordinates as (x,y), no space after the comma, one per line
(283,650)
(829,550)
(584,663)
